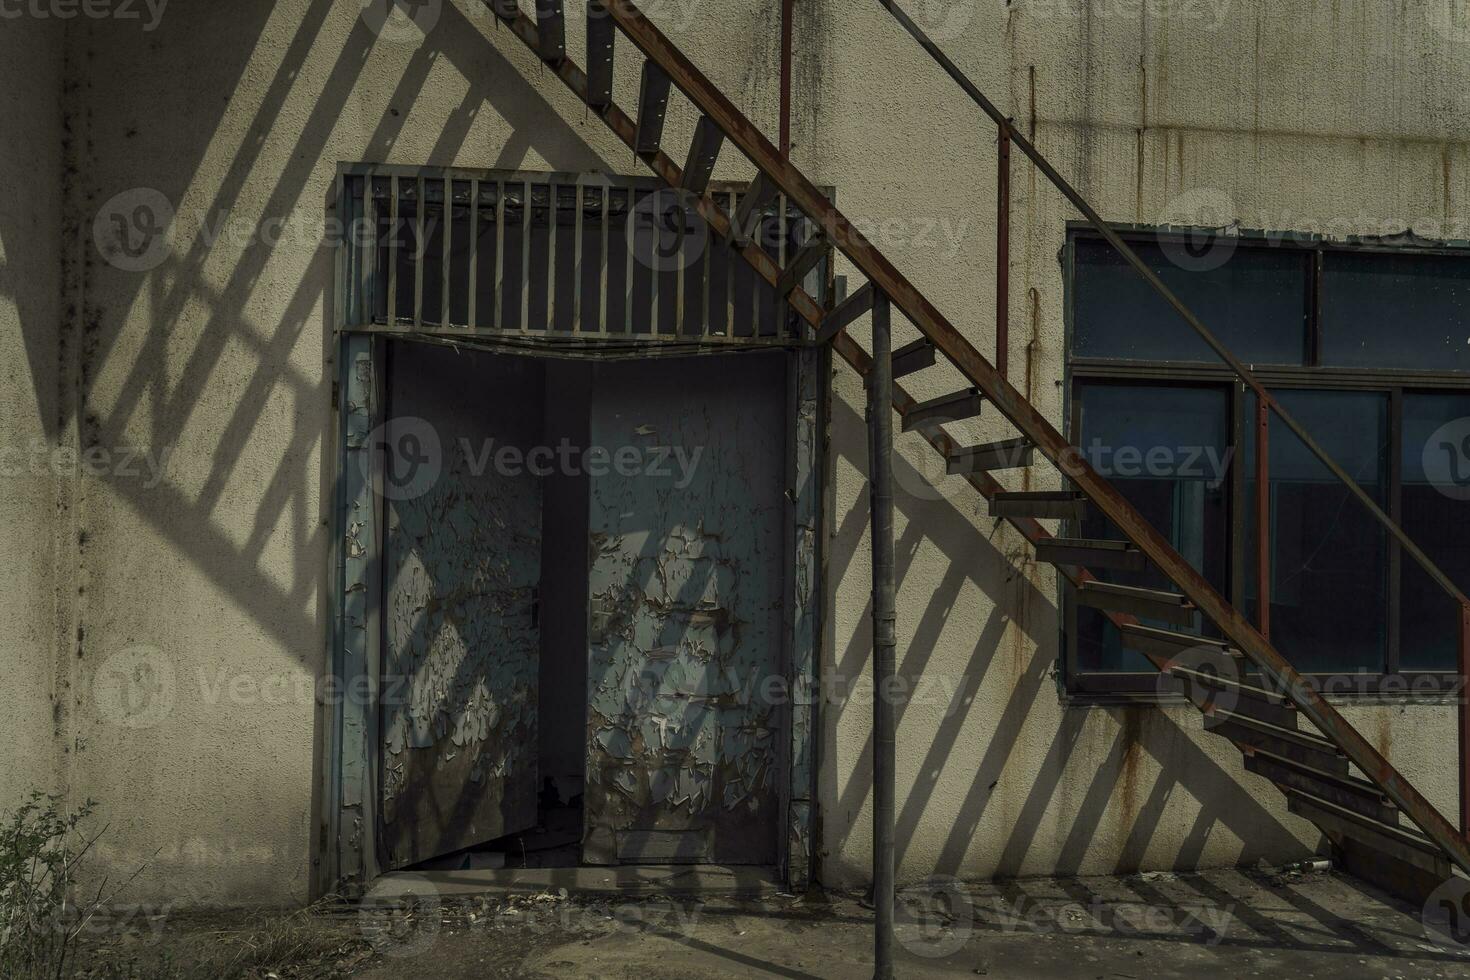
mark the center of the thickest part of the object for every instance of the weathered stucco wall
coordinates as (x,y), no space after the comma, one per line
(30,292)
(202,622)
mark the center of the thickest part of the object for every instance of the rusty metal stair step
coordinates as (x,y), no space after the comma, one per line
(704,150)
(1168,607)
(1194,650)
(1393,840)
(962,405)
(1246,687)
(551,30)
(914,357)
(1302,747)
(1088,553)
(653,108)
(1212,693)
(1333,773)
(1009,455)
(1220,704)
(1353,794)
(601,37)
(1224,715)
(1061,504)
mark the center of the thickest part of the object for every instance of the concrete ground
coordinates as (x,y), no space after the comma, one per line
(1217,924)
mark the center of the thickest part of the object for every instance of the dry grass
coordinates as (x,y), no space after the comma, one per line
(320,942)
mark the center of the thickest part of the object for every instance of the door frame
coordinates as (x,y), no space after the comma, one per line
(348,860)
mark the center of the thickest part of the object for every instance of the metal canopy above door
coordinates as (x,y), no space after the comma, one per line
(563,263)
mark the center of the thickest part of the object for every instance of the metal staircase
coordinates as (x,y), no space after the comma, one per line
(1246,689)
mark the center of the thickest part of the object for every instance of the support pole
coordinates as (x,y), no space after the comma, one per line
(1465,719)
(885,640)
(1263,517)
(787,10)
(1003,256)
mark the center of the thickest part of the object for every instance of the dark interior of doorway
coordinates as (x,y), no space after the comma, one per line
(555,842)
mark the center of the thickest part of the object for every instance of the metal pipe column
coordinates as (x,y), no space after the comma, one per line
(885,640)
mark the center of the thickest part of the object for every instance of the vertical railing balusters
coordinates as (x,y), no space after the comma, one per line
(392,318)
(551,215)
(499,318)
(474,276)
(420,249)
(447,250)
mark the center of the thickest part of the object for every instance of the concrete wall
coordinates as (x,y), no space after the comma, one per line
(31,352)
(203,622)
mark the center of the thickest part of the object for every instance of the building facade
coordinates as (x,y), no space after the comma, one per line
(192,365)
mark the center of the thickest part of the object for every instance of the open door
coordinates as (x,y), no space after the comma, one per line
(461,641)
(686,540)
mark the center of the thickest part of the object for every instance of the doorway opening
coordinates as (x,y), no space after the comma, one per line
(579,646)
(590,610)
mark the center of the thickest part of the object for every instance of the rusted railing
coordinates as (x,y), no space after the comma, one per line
(1266,404)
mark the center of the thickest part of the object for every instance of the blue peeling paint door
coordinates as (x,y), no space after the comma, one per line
(462,555)
(687,534)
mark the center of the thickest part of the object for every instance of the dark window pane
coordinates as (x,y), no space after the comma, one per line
(1396,311)
(1329,560)
(1436,467)
(1165,449)
(1255,302)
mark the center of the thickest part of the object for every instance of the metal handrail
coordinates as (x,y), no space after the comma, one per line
(1152,278)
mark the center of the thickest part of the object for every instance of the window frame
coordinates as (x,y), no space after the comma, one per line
(1131,687)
